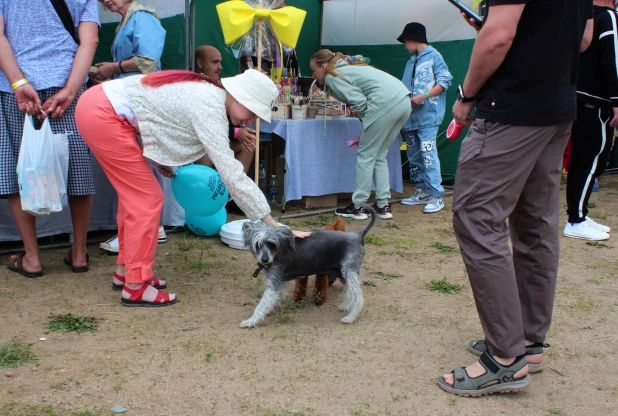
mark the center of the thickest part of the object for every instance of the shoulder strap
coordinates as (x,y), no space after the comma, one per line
(65,16)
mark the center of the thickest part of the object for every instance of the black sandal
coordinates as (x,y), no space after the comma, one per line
(68,260)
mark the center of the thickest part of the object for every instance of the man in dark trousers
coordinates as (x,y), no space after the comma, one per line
(597,114)
(522,77)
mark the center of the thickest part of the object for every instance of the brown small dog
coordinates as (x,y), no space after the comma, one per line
(320,290)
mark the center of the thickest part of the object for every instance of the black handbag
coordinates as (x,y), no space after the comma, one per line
(65,16)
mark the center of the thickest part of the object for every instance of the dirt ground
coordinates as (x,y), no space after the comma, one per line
(193,359)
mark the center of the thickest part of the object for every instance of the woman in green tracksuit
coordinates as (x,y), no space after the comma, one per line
(383,105)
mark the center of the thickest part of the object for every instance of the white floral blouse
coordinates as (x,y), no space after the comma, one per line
(181,122)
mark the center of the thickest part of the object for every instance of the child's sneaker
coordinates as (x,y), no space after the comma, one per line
(350,211)
(595,185)
(434,204)
(420,197)
(385,212)
(162,236)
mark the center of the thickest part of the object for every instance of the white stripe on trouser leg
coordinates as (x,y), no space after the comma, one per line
(612,15)
(580,208)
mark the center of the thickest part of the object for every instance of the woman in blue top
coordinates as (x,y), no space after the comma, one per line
(138,44)
(383,105)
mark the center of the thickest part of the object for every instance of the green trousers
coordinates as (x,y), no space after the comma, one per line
(372,150)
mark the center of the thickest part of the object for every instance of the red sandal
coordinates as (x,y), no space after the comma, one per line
(162,299)
(156,283)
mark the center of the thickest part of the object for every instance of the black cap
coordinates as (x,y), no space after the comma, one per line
(413,31)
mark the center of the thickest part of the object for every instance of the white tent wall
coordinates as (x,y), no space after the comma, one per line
(371,22)
(164,8)
(371,28)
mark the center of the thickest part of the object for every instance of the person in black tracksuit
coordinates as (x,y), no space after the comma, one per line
(597,114)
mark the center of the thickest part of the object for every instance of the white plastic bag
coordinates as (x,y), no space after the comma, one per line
(42,169)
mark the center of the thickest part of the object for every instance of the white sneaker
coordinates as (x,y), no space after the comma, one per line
(162,235)
(597,226)
(112,246)
(420,197)
(584,231)
(434,205)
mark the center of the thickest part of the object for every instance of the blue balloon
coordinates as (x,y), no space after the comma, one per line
(199,190)
(206,226)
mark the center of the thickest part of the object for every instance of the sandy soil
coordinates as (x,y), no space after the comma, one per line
(193,359)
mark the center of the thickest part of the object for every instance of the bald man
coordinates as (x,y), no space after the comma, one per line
(242,139)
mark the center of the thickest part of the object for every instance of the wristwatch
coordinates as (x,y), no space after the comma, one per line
(462,97)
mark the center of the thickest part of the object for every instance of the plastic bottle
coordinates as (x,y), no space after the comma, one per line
(273,190)
(262,176)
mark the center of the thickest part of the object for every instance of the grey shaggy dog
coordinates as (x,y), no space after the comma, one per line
(286,258)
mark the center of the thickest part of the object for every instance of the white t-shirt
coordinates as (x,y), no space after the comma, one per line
(117,95)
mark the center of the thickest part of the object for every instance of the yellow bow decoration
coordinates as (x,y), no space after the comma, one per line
(237,18)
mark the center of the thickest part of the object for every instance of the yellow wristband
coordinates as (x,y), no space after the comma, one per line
(19,83)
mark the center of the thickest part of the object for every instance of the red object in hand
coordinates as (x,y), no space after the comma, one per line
(454,130)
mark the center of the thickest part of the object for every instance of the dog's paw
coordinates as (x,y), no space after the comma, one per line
(248,323)
(347,320)
(343,308)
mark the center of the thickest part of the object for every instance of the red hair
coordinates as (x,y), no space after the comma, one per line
(157,79)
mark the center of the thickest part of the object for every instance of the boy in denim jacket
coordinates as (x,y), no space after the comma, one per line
(427,77)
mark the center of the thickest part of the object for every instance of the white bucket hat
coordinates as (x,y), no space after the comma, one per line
(253,90)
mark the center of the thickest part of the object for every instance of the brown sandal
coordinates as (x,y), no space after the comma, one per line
(16,264)
(68,260)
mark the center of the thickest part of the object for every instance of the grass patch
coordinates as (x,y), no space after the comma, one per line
(443,286)
(555,411)
(444,249)
(276,412)
(72,323)
(585,305)
(207,356)
(318,221)
(392,225)
(593,281)
(399,242)
(592,205)
(370,284)
(597,244)
(282,317)
(446,231)
(387,276)
(13,354)
(599,216)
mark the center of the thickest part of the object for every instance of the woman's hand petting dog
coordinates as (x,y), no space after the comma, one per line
(301,234)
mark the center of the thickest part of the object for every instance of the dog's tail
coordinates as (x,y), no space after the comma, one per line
(365,230)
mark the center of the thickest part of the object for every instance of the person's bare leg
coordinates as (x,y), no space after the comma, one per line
(533,359)
(243,156)
(80,215)
(27,229)
(205,161)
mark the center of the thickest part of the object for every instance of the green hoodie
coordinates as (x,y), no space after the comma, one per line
(369,91)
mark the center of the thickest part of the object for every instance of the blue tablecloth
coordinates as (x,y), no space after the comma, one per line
(318,160)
